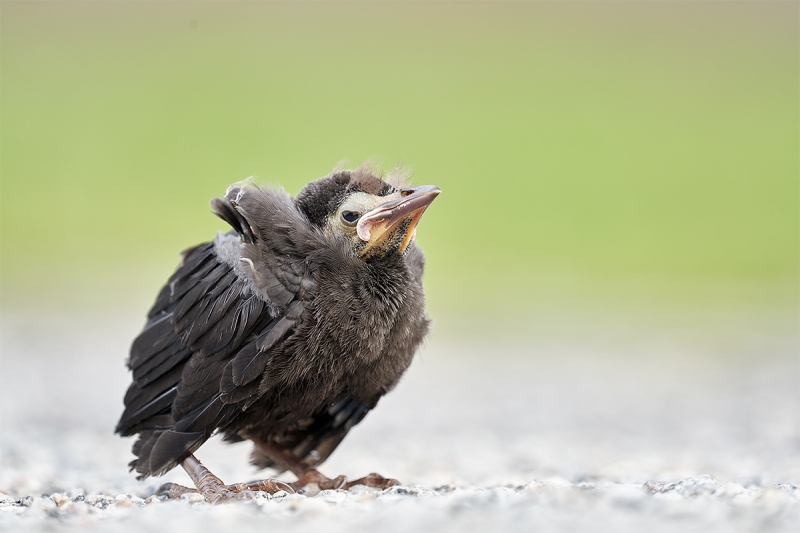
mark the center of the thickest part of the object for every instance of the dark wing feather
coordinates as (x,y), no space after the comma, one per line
(249,365)
(204,321)
(161,363)
(225,208)
(165,448)
(211,331)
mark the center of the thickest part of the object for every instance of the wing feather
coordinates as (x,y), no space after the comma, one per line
(214,328)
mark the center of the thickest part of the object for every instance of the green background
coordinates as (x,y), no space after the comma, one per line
(599,155)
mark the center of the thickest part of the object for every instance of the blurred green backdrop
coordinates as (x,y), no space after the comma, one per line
(628,154)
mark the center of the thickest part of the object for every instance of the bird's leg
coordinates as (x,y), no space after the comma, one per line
(213,489)
(307,475)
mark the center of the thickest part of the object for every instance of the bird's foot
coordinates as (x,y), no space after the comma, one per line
(221,493)
(313,476)
(214,490)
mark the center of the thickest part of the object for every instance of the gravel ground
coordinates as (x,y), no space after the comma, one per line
(690,430)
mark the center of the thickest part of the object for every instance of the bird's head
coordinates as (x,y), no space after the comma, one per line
(376,217)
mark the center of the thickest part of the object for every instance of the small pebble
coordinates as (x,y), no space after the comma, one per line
(60,499)
(192,497)
(312,489)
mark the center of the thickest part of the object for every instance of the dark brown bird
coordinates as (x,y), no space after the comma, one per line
(285,331)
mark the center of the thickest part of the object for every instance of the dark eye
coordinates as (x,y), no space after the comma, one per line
(350,217)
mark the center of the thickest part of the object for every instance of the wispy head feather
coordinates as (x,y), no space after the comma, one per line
(399,177)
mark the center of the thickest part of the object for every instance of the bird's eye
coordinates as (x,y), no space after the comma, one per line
(350,217)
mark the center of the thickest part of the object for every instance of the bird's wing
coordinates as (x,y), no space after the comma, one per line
(211,330)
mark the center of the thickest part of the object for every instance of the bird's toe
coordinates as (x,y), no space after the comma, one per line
(373,480)
(173,491)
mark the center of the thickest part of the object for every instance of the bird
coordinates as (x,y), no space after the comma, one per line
(284,331)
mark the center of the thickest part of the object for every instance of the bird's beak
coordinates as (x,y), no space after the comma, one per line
(378,225)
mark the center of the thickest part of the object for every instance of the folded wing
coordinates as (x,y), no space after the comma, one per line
(209,335)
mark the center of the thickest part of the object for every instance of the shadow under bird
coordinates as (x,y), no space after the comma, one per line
(284,331)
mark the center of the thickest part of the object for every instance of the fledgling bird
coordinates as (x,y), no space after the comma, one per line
(284,331)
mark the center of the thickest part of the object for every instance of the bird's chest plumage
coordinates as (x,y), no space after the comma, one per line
(354,340)
(353,329)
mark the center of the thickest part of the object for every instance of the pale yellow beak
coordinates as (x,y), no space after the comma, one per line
(378,225)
